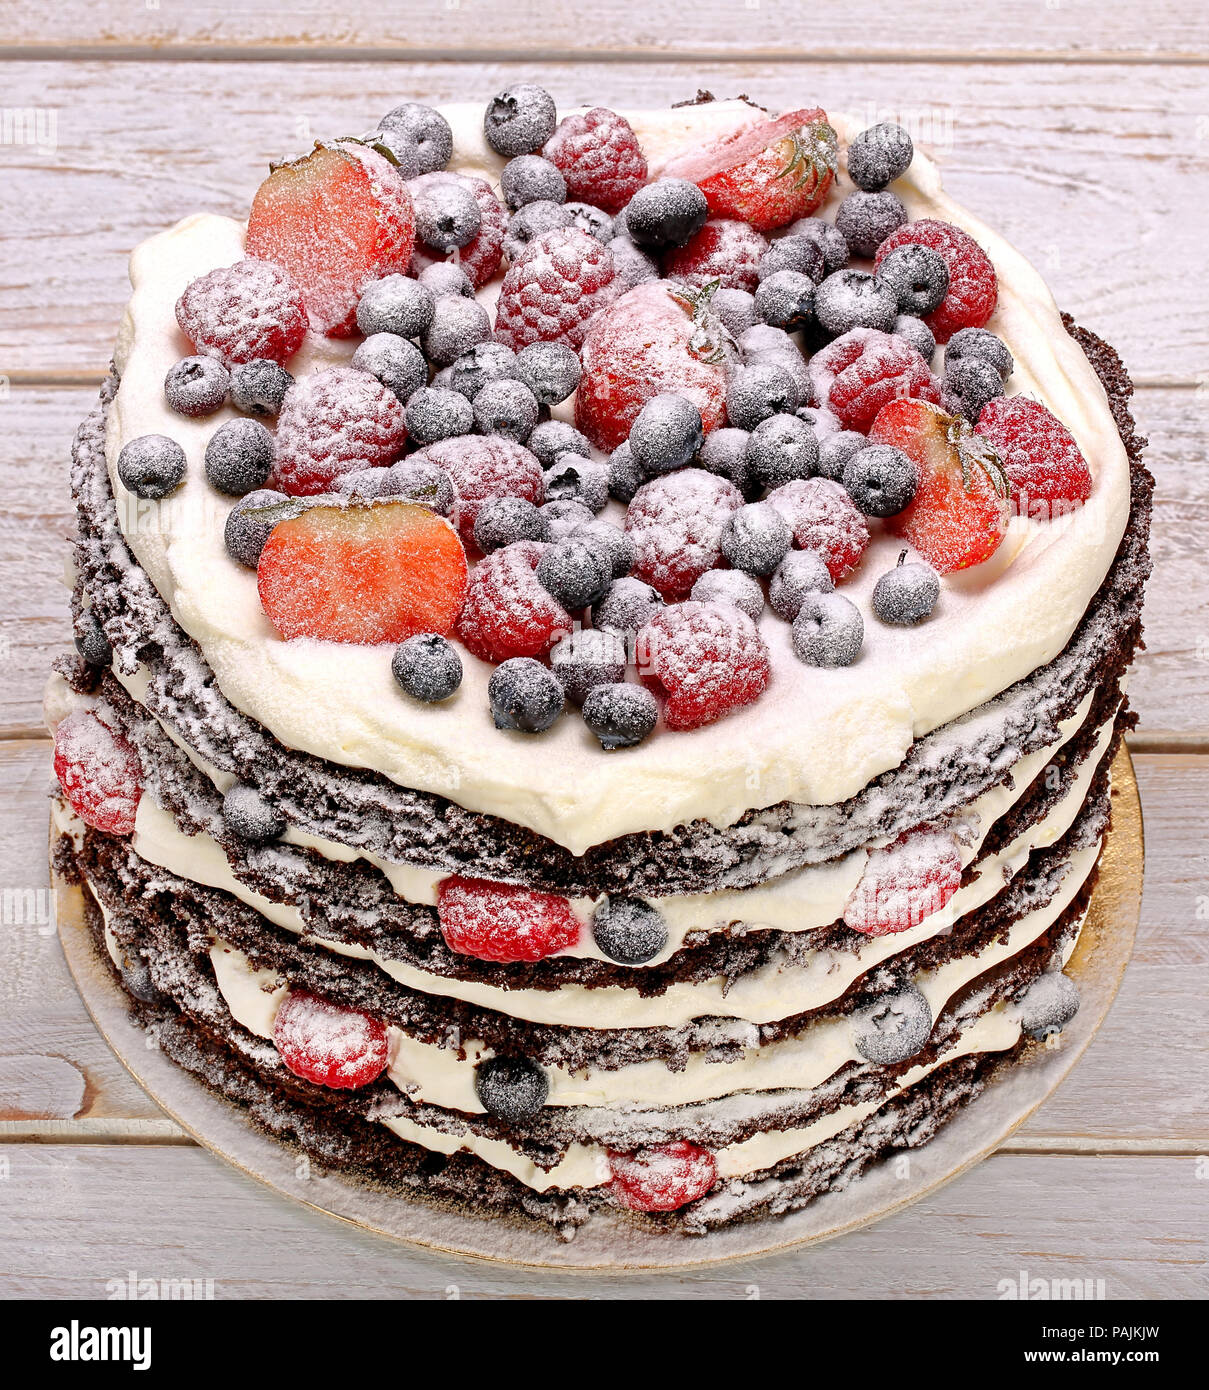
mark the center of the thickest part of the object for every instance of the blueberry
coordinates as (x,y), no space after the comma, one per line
(433,414)
(733,587)
(91,642)
(520,119)
(800,573)
(417,480)
(666,433)
(724,454)
(878,156)
(835,450)
(828,630)
(151,466)
(550,370)
(531,221)
(239,457)
(830,242)
(506,408)
(588,658)
(918,276)
(593,220)
(511,1088)
(258,387)
(757,391)
(917,333)
(967,385)
(631,265)
(865,220)
(756,538)
(799,253)
(780,449)
(397,363)
(457,324)
(444,280)
(786,300)
(395,304)
(979,342)
(564,516)
(448,216)
(627,605)
(401,147)
(893,1028)
(762,340)
(1048,1004)
(480,365)
(245,533)
(906,594)
(625,473)
(428,128)
(531,179)
(573,478)
(881,479)
(611,541)
(575,573)
(137,978)
(665,213)
(427,667)
(554,437)
(628,930)
(365,484)
(250,817)
(736,310)
(525,695)
(505,520)
(196,386)
(853,299)
(620,715)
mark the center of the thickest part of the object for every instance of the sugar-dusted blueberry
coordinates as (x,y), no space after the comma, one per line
(479,366)
(879,155)
(554,437)
(588,658)
(196,386)
(400,147)
(881,479)
(258,387)
(563,516)
(979,342)
(724,454)
(733,587)
(90,639)
(395,304)
(758,390)
(248,815)
(828,630)
(620,715)
(511,1088)
(520,119)
(434,413)
(916,332)
(151,466)
(628,604)
(525,696)
(756,539)
(397,363)
(593,220)
(418,480)
(427,127)
(781,448)
(906,594)
(531,179)
(427,667)
(625,473)
(612,542)
(918,276)
(505,520)
(445,280)
(239,457)
(799,253)
(448,216)
(865,220)
(800,573)
(785,300)
(894,1027)
(550,370)
(457,325)
(573,478)
(829,241)
(736,310)
(666,213)
(365,484)
(967,385)
(576,573)
(835,449)
(507,408)
(854,299)
(628,930)
(246,532)
(530,221)
(666,433)
(631,264)
(1048,1004)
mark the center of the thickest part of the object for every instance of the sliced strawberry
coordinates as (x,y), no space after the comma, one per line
(768,173)
(663,1178)
(508,611)
(959,515)
(500,922)
(335,220)
(329,1044)
(99,772)
(904,882)
(1048,473)
(378,572)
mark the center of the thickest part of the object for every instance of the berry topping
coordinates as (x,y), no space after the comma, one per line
(588,658)
(800,573)
(250,522)
(826,238)
(497,921)
(662,1179)
(973,287)
(880,479)
(575,573)
(248,815)
(781,449)
(481,365)
(599,156)
(426,128)
(533,220)
(1048,1004)
(151,466)
(550,370)
(725,250)
(736,310)
(595,221)
(756,539)
(258,387)
(904,882)
(328,1043)
(564,516)
(196,386)
(708,658)
(553,290)
(620,716)
(243,311)
(865,220)
(917,333)
(427,667)
(666,213)
(332,422)
(730,586)
(553,438)
(520,119)
(1048,474)
(525,696)
(397,363)
(757,391)
(968,385)
(395,304)
(785,300)
(676,524)
(893,1028)
(447,214)
(506,520)
(573,478)
(835,450)
(239,457)
(799,253)
(625,473)
(511,1088)
(457,325)
(823,518)
(609,541)
(632,264)
(444,280)
(960,512)
(508,612)
(853,299)
(828,630)
(483,468)
(978,342)
(628,605)
(879,155)
(531,179)
(918,276)
(906,594)
(507,408)
(628,930)
(99,772)
(865,369)
(362,573)
(480,257)
(724,454)
(666,434)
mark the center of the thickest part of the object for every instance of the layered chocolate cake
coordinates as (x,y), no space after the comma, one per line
(601,643)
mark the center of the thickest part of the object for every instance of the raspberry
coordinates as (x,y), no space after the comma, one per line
(484,468)
(328,1043)
(507,611)
(904,882)
(973,286)
(709,659)
(333,422)
(99,772)
(500,922)
(599,156)
(676,523)
(824,519)
(559,282)
(859,373)
(724,250)
(1048,474)
(480,258)
(662,1179)
(243,311)
(362,573)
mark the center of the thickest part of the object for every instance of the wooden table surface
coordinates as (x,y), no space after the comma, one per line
(1080,129)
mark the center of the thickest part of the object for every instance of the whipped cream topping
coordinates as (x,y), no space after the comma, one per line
(816,736)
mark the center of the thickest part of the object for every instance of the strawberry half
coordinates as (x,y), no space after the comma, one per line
(767,174)
(959,514)
(334,220)
(362,573)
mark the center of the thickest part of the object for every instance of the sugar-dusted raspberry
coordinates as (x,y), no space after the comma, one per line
(561,279)
(479,258)
(863,370)
(676,523)
(329,1044)
(823,518)
(725,250)
(1048,474)
(599,156)
(973,285)
(99,772)
(243,311)
(708,658)
(904,882)
(508,612)
(500,922)
(336,421)
(664,1178)
(483,468)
